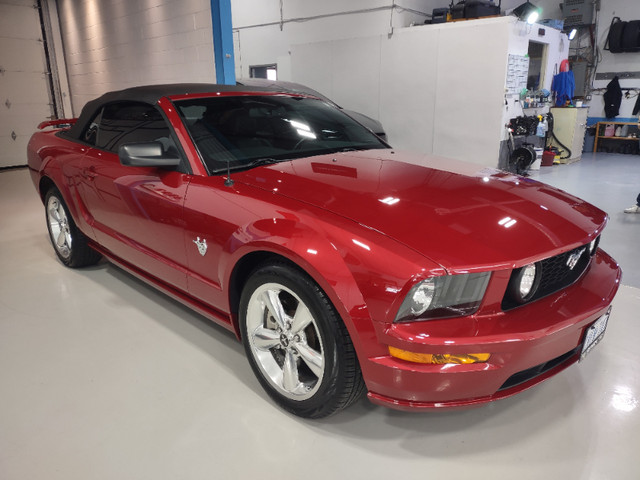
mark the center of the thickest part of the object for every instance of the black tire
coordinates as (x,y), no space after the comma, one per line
(67,240)
(616,34)
(631,37)
(307,387)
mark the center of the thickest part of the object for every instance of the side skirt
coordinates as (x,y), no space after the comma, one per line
(221,318)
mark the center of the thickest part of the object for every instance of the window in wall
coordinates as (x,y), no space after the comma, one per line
(270,72)
(537,61)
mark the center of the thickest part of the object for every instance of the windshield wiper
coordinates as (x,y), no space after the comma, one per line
(252,164)
(259,161)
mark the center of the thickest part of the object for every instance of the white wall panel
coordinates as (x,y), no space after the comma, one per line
(312,65)
(437,89)
(255,50)
(264,45)
(408,88)
(246,12)
(471,72)
(297,9)
(361,84)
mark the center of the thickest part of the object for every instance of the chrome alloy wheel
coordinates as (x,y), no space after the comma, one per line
(285,342)
(59,227)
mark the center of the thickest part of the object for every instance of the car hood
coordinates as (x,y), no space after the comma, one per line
(462,216)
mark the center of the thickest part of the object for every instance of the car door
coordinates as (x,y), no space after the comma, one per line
(136,212)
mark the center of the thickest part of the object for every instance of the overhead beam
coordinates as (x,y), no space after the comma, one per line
(223,42)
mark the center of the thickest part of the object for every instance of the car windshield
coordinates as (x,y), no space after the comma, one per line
(241,132)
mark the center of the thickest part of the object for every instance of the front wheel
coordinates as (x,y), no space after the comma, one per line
(297,345)
(68,242)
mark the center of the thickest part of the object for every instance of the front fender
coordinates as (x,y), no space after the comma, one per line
(361,271)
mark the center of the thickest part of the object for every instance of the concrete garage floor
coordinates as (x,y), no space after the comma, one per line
(101,377)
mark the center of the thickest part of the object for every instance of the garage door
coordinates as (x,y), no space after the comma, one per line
(24,97)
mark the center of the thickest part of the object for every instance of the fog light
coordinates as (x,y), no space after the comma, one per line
(527,280)
(524,282)
(439,358)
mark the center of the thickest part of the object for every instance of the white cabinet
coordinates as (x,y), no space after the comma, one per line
(569,127)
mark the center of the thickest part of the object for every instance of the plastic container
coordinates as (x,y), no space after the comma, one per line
(547,158)
(538,161)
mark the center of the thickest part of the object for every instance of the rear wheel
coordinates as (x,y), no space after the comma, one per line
(297,345)
(68,242)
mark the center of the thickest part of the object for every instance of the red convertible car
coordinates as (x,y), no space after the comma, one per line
(343,266)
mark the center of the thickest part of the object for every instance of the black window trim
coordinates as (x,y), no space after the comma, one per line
(185,166)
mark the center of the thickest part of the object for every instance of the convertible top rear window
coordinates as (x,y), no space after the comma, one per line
(242,131)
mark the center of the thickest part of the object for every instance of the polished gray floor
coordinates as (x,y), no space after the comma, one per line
(612,182)
(101,377)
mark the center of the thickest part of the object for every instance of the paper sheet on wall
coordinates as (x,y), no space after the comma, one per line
(517,72)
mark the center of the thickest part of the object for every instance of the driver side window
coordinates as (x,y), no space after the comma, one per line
(129,122)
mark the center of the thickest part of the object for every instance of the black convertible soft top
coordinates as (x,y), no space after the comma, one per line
(151,94)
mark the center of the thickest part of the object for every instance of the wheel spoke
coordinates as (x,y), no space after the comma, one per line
(313,359)
(61,240)
(301,319)
(271,300)
(265,338)
(61,214)
(290,372)
(53,213)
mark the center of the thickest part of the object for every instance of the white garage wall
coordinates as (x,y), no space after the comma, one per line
(302,21)
(117,44)
(436,88)
(618,62)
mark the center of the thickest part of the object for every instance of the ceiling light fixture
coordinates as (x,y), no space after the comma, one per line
(527,12)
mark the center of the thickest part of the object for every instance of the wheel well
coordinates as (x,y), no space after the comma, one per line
(43,187)
(243,270)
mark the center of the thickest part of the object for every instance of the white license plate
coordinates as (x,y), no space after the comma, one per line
(594,334)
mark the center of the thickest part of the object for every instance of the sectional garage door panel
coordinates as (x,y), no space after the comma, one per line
(24,95)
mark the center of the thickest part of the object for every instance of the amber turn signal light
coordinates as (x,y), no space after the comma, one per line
(439,358)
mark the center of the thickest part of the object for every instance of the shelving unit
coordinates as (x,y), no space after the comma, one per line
(600,132)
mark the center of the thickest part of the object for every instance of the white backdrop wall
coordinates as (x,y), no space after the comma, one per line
(436,88)
(116,44)
(302,21)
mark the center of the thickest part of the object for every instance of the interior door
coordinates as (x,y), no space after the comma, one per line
(136,212)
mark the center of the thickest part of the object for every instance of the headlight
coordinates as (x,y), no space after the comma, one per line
(525,282)
(444,297)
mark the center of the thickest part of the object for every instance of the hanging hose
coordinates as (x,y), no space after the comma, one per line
(553,135)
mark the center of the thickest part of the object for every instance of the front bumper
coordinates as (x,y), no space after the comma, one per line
(528,344)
